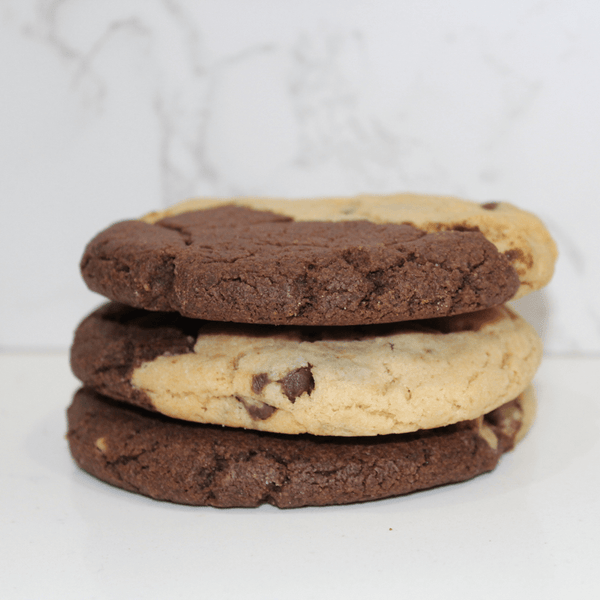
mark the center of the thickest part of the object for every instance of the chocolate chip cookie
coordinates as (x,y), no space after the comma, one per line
(365,260)
(343,381)
(196,464)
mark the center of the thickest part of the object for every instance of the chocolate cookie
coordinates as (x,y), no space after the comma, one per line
(344,381)
(197,464)
(328,262)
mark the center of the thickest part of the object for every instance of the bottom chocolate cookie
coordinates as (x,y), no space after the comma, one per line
(208,465)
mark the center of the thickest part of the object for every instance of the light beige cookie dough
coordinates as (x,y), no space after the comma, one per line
(384,379)
(518,233)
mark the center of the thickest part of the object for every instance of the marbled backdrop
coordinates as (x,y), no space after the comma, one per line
(112,108)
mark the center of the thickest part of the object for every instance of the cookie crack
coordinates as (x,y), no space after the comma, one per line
(115,466)
(185,235)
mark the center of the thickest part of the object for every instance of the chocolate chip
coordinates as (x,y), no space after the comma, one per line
(258,411)
(490,205)
(259,381)
(298,382)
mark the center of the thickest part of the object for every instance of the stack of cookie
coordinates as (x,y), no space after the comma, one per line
(306,352)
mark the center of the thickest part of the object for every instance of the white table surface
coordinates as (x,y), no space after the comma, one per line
(530,529)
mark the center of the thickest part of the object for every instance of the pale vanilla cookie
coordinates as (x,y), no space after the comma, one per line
(346,261)
(190,463)
(350,381)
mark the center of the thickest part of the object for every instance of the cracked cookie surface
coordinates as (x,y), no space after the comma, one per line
(343,381)
(189,463)
(322,262)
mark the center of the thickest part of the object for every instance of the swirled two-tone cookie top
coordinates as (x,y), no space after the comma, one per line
(341,381)
(364,260)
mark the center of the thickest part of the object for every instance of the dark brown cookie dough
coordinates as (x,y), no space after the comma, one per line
(115,339)
(233,263)
(203,465)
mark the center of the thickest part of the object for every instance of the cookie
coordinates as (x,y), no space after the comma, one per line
(196,464)
(364,260)
(342,381)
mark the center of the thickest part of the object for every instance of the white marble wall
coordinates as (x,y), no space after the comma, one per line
(111,108)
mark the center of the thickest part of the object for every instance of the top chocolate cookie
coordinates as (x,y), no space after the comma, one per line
(363,260)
